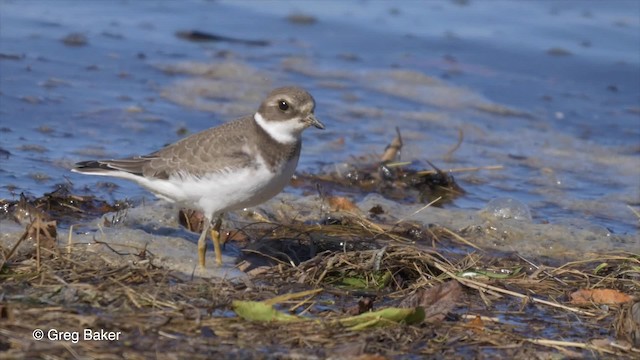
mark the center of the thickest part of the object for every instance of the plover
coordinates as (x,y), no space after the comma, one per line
(236,165)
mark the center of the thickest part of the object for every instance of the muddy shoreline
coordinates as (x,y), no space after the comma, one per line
(297,282)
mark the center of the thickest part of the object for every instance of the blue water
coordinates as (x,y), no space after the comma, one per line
(569,142)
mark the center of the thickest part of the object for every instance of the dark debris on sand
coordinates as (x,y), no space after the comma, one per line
(157,312)
(394,179)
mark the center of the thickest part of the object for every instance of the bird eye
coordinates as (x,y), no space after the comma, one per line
(283,105)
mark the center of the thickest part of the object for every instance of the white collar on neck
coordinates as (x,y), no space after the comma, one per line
(284,132)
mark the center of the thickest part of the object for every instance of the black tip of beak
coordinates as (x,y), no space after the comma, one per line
(315,122)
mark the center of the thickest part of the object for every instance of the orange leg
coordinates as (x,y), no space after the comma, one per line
(202,244)
(215,236)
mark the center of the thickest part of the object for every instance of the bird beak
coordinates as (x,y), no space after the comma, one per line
(311,120)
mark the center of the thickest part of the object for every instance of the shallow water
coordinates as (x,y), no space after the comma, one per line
(548,90)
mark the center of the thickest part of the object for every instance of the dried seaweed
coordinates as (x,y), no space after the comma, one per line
(156,311)
(386,175)
(60,204)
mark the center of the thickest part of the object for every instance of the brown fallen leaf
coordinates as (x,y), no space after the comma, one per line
(341,203)
(477,325)
(191,219)
(235,235)
(436,301)
(599,296)
(364,304)
(369,357)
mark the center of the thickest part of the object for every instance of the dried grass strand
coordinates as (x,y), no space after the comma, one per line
(482,286)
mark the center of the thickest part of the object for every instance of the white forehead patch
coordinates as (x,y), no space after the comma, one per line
(284,132)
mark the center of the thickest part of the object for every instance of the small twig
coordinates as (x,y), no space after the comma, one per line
(483,318)
(466,169)
(170,336)
(75,209)
(301,303)
(460,238)
(392,150)
(625,347)
(70,240)
(129,292)
(327,267)
(286,297)
(291,263)
(543,271)
(600,259)
(397,164)
(419,210)
(559,343)
(308,308)
(15,246)
(121,253)
(37,244)
(449,153)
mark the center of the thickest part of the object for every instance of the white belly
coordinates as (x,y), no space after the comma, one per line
(225,191)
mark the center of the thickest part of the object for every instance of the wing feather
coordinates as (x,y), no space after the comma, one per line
(208,151)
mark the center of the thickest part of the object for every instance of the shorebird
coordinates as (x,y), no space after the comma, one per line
(236,165)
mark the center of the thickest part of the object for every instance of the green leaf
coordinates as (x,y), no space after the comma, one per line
(355,282)
(377,280)
(261,312)
(384,317)
(599,267)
